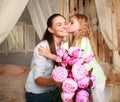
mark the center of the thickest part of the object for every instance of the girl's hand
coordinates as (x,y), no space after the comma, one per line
(46,52)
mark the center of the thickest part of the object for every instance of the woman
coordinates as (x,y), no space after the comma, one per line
(40,83)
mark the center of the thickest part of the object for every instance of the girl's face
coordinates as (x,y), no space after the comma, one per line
(59,27)
(74,26)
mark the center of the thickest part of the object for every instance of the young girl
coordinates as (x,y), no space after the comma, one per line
(40,83)
(83,39)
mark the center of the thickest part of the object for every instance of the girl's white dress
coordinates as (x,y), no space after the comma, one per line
(98,93)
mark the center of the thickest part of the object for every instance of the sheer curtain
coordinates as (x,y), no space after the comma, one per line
(117,12)
(40,10)
(108,26)
(10,11)
(107,21)
(16,38)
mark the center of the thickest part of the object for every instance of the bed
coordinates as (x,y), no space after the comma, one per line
(12,81)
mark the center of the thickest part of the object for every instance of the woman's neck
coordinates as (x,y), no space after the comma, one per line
(58,42)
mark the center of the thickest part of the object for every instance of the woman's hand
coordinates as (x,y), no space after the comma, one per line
(46,52)
(59,84)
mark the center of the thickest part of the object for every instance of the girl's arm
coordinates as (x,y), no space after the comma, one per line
(46,52)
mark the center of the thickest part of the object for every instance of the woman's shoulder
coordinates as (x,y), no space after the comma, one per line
(43,43)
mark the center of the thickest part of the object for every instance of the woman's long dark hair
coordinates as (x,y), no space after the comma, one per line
(48,35)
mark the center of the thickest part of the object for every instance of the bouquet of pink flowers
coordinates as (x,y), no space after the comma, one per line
(77,82)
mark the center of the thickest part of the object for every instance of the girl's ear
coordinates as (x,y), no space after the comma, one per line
(50,30)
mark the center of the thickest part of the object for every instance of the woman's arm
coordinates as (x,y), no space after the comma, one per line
(44,81)
(40,67)
(47,82)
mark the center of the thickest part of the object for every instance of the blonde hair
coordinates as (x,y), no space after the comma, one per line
(85,31)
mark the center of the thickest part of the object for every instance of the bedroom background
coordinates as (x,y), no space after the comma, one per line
(23,22)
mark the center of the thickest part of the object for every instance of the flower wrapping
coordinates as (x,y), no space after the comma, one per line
(77,82)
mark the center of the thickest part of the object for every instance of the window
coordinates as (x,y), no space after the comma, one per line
(21,38)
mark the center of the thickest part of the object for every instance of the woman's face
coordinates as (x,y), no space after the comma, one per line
(59,27)
(74,25)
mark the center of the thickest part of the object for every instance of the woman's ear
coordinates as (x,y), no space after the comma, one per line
(50,30)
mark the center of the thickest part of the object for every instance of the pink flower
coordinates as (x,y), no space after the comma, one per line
(59,74)
(93,78)
(84,82)
(70,75)
(58,59)
(88,59)
(73,75)
(60,52)
(79,60)
(65,56)
(74,52)
(69,86)
(79,71)
(71,61)
(64,64)
(82,96)
(66,97)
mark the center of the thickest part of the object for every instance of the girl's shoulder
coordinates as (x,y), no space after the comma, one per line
(85,38)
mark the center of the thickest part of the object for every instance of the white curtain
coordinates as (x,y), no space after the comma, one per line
(40,10)
(16,38)
(117,12)
(107,21)
(10,11)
